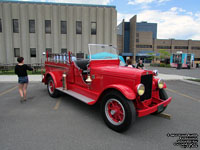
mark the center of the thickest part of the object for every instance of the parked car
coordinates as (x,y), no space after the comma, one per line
(124,93)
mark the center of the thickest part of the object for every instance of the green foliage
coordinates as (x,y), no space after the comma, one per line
(163,54)
(160,65)
(196,80)
(11,72)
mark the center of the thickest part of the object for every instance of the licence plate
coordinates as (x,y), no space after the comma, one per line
(160,108)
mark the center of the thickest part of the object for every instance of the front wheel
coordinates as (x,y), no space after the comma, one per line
(51,88)
(118,112)
(163,96)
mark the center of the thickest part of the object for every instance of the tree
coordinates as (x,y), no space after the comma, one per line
(163,54)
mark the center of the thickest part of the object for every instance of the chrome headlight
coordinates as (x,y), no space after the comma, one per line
(140,89)
(160,83)
(155,72)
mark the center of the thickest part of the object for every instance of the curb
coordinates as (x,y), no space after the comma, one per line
(192,82)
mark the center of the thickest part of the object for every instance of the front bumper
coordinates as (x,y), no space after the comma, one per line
(153,108)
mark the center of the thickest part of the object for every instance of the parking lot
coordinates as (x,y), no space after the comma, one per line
(193,72)
(45,123)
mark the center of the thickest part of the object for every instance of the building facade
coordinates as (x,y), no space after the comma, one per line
(143,42)
(30,28)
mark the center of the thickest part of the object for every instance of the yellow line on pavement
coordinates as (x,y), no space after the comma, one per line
(7,91)
(173,91)
(57,104)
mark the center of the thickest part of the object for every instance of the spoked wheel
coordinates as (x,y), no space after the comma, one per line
(51,88)
(115,111)
(163,96)
(118,112)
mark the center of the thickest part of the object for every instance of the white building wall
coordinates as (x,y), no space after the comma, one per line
(2,37)
(8,35)
(105,18)
(85,29)
(32,15)
(40,32)
(62,37)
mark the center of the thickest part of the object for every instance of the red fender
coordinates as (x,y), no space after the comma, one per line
(53,77)
(165,86)
(155,84)
(126,91)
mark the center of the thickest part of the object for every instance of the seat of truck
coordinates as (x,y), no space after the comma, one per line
(82,64)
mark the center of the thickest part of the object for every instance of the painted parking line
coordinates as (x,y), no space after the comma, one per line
(57,104)
(184,95)
(7,91)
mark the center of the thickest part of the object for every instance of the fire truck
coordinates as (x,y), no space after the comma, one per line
(124,93)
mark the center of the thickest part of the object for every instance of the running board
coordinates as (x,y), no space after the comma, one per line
(77,96)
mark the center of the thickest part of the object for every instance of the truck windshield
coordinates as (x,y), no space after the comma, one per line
(102,52)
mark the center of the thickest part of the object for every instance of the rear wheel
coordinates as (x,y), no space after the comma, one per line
(163,96)
(51,88)
(118,112)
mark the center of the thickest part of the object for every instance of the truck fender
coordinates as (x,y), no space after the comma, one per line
(53,77)
(165,86)
(125,90)
(155,84)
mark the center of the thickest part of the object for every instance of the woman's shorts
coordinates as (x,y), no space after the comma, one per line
(23,80)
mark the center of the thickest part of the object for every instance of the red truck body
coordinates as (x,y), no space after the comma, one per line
(107,76)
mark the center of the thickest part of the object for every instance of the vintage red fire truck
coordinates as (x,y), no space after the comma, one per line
(124,93)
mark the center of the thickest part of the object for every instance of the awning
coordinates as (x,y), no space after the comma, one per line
(126,54)
(147,53)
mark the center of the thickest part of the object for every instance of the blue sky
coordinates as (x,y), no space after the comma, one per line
(178,19)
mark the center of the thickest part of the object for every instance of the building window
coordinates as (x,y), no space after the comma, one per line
(0,26)
(137,35)
(63,27)
(33,52)
(15,26)
(137,40)
(79,55)
(48,26)
(163,47)
(196,48)
(180,47)
(63,50)
(16,52)
(31,26)
(78,27)
(93,28)
(143,46)
(49,50)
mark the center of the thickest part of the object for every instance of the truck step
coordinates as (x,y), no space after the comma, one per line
(77,96)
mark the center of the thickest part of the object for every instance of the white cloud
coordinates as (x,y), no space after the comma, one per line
(144,2)
(135,2)
(101,2)
(177,9)
(171,23)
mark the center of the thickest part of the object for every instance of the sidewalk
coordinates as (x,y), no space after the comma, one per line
(38,78)
(14,78)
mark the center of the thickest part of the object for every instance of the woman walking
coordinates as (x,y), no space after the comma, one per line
(21,71)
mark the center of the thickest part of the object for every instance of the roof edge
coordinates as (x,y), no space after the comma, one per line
(55,3)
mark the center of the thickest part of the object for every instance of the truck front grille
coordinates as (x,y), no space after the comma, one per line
(147,81)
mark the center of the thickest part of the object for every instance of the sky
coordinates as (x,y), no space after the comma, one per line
(177,19)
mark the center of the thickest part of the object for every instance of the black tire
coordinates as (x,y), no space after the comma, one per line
(51,88)
(163,96)
(125,113)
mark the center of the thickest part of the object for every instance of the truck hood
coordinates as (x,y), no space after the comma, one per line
(122,71)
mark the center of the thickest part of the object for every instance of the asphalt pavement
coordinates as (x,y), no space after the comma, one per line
(64,123)
(193,72)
